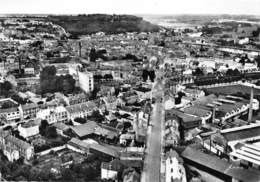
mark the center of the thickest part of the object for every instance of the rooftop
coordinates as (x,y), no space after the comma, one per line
(241,132)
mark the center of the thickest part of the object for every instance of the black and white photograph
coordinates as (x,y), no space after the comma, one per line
(129,90)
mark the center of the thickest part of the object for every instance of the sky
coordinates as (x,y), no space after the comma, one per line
(130,6)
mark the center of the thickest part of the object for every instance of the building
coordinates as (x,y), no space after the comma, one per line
(222,169)
(225,141)
(29,71)
(60,127)
(175,171)
(9,110)
(110,170)
(92,129)
(15,148)
(246,154)
(86,81)
(186,121)
(130,175)
(53,115)
(110,102)
(30,128)
(81,110)
(29,110)
(10,114)
(204,114)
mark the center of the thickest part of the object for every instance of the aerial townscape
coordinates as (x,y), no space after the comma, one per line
(129,98)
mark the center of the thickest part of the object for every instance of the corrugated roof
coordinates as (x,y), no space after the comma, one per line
(196,111)
(224,167)
(105,150)
(242,132)
(205,159)
(85,129)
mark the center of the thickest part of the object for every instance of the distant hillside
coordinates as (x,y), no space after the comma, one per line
(87,24)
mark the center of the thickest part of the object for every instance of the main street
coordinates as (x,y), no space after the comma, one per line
(152,163)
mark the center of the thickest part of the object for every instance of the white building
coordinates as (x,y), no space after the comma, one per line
(53,115)
(29,129)
(81,110)
(29,71)
(175,171)
(86,81)
(111,169)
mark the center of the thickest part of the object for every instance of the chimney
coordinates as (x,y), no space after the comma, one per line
(80,46)
(250,112)
(137,127)
(19,59)
(214,114)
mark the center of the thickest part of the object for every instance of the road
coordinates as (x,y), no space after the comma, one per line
(152,163)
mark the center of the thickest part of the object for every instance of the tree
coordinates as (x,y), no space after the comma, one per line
(43,126)
(256,33)
(108,77)
(93,55)
(230,72)
(51,132)
(145,75)
(68,84)
(257,60)
(5,88)
(152,75)
(80,120)
(198,72)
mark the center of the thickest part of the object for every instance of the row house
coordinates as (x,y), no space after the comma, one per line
(53,115)
(15,148)
(10,114)
(29,110)
(80,110)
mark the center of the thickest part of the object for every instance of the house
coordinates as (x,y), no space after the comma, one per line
(130,175)
(110,170)
(10,114)
(175,171)
(61,127)
(29,71)
(29,110)
(30,128)
(76,99)
(71,99)
(86,81)
(110,102)
(81,110)
(53,115)
(14,147)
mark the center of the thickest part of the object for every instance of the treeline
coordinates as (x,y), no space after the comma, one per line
(111,24)
(50,82)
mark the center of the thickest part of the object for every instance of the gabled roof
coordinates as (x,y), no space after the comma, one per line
(61,126)
(17,142)
(29,106)
(85,129)
(196,111)
(105,150)
(242,132)
(81,107)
